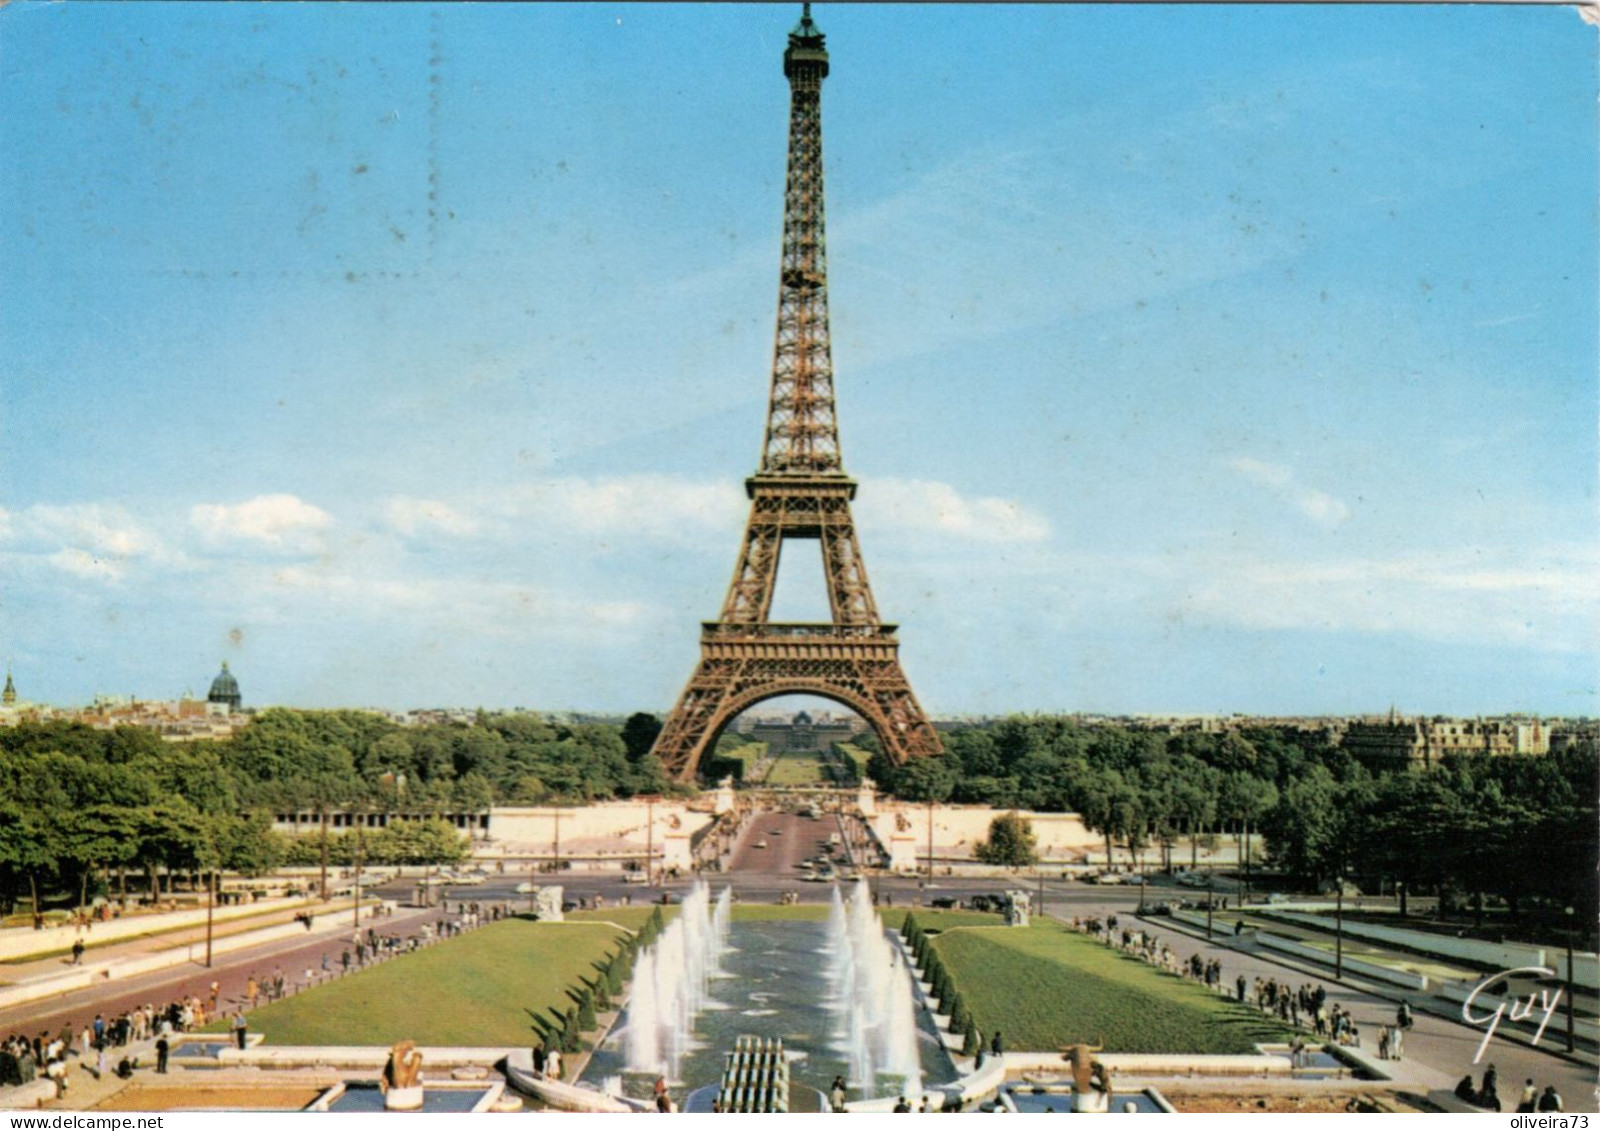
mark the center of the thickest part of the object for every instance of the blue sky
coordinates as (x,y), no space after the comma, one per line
(1191,358)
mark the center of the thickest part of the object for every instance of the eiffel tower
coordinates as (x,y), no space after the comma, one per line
(799,492)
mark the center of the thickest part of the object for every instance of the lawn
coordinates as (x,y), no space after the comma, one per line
(797,769)
(481,989)
(857,757)
(1044,988)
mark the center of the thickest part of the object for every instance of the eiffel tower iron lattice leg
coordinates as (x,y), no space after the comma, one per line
(800,493)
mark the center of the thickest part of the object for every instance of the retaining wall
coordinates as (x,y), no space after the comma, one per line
(21,942)
(1503,956)
(1410,981)
(95,973)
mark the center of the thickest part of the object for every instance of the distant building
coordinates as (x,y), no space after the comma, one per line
(802,733)
(8,698)
(1397,743)
(225,691)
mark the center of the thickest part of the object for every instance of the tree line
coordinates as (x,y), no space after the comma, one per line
(1520,828)
(81,809)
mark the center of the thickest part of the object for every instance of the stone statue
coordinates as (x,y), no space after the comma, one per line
(402,1078)
(548,904)
(1018,905)
(1091,1083)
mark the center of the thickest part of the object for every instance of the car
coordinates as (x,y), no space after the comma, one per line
(761,844)
(526,887)
(635,878)
(774,832)
(1109,878)
(944,902)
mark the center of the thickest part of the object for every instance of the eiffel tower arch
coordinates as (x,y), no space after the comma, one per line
(799,494)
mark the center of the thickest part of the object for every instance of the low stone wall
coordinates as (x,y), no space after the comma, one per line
(23,1097)
(359,1058)
(1502,956)
(94,973)
(1141,1064)
(1403,978)
(17,943)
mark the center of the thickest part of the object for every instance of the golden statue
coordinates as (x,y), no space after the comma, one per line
(404,1069)
(1091,1083)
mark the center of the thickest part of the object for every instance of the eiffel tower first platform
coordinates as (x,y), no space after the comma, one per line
(800,492)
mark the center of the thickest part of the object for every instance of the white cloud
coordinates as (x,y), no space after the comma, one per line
(1320,507)
(107,530)
(281,522)
(413,517)
(925,506)
(1548,602)
(81,563)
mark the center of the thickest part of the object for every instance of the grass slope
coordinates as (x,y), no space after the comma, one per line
(1044,987)
(481,989)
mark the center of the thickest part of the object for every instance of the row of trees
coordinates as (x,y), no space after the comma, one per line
(1512,827)
(81,809)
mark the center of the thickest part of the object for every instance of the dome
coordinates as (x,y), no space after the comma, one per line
(225,689)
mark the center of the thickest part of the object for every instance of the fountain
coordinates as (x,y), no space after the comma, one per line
(875,1017)
(671,983)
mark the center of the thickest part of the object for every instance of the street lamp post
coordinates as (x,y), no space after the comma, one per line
(1571,930)
(1211,901)
(649,840)
(1141,893)
(1338,929)
(210,904)
(361,860)
(556,850)
(930,842)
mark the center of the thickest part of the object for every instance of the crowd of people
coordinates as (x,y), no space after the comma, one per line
(1487,1096)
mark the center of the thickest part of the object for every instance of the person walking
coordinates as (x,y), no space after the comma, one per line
(1529,1097)
(1397,1040)
(240,1027)
(163,1049)
(1551,1099)
(836,1094)
(77,952)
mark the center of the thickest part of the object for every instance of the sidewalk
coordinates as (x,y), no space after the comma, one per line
(53,948)
(48,977)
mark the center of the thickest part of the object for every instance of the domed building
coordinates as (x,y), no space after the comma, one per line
(225,690)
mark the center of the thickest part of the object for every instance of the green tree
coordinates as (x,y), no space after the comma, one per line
(1011,842)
